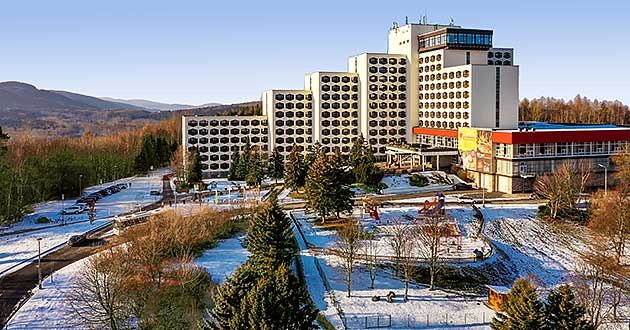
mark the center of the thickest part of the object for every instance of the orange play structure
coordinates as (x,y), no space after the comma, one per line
(371,207)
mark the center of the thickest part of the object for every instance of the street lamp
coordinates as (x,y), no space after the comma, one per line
(80,190)
(39,261)
(605,177)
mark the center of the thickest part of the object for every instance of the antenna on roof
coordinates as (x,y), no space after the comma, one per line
(394,25)
(452,22)
(406,20)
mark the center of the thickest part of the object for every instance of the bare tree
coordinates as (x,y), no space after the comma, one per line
(408,262)
(397,237)
(371,251)
(98,296)
(611,221)
(563,187)
(347,247)
(430,233)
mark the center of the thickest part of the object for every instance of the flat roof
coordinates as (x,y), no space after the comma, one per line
(537,125)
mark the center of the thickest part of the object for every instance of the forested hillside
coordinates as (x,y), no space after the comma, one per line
(580,110)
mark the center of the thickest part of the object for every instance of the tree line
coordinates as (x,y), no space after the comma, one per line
(36,169)
(580,110)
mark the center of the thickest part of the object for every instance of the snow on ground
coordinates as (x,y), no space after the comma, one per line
(438,181)
(222,260)
(388,217)
(50,308)
(17,248)
(532,245)
(440,307)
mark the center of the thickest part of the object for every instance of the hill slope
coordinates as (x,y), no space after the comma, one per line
(157,106)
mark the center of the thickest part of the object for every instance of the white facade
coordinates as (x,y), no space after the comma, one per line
(335,108)
(432,77)
(384,98)
(290,117)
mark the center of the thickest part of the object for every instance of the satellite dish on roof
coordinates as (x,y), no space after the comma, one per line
(451,22)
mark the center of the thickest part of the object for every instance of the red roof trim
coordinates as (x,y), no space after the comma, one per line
(437,132)
(560,136)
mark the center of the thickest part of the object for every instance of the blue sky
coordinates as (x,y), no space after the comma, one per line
(230,51)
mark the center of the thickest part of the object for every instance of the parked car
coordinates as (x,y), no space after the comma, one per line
(467,200)
(122,185)
(74,209)
(155,193)
(84,205)
(462,186)
(76,240)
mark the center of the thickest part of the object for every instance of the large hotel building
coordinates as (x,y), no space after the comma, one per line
(441,95)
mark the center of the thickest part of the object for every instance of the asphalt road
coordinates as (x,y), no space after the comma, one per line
(15,287)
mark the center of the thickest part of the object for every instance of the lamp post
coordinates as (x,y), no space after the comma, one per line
(80,190)
(39,261)
(605,177)
(63,217)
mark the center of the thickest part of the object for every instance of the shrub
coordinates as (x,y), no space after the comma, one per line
(42,220)
(418,180)
(461,173)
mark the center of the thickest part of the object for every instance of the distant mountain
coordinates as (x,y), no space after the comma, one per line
(157,106)
(25,108)
(98,103)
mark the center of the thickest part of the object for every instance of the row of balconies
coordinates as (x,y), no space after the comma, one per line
(226,131)
(224,123)
(385,114)
(385,105)
(444,105)
(291,97)
(390,70)
(444,114)
(338,79)
(384,79)
(442,124)
(226,140)
(390,61)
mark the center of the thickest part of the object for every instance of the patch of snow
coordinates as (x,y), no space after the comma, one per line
(50,308)
(222,260)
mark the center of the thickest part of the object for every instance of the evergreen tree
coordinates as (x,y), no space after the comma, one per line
(195,171)
(279,302)
(342,200)
(275,168)
(325,191)
(227,302)
(255,170)
(522,310)
(294,170)
(564,313)
(270,238)
(356,152)
(234,166)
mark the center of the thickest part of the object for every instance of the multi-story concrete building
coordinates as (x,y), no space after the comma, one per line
(290,118)
(441,90)
(335,108)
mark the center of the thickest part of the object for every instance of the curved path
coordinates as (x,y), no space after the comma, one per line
(15,287)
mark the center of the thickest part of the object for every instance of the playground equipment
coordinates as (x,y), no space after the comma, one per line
(370,207)
(439,200)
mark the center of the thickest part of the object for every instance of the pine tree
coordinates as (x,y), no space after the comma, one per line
(342,200)
(255,170)
(275,168)
(522,309)
(564,313)
(294,174)
(279,302)
(320,187)
(356,152)
(270,238)
(195,171)
(227,302)
(234,166)
(245,162)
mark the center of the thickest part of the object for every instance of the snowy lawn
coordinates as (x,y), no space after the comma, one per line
(17,248)
(49,308)
(438,181)
(222,260)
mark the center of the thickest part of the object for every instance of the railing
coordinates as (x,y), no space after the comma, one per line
(418,321)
